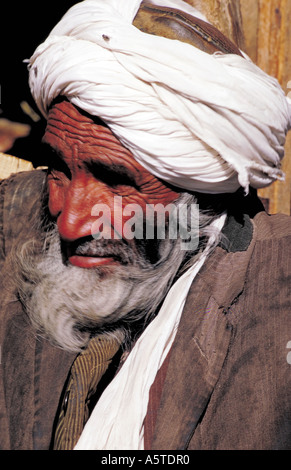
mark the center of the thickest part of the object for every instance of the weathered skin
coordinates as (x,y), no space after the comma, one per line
(91,167)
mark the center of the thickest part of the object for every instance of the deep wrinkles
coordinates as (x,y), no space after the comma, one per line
(100,140)
(81,121)
(77,133)
(95,136)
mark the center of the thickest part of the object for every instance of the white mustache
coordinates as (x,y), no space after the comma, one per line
(103,248)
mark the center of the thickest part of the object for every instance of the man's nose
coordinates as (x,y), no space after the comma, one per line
(74,218)
(74,221)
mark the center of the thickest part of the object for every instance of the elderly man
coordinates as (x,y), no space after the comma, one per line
(118,338)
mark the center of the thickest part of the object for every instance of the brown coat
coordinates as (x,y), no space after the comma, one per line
(228,381)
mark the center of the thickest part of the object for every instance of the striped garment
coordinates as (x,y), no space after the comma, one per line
(86,372)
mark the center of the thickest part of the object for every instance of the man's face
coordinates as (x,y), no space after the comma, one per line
(127,278)
(90,167)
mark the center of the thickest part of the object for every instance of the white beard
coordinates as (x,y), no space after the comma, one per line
(68,304)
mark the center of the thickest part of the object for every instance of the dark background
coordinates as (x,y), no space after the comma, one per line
(24,25)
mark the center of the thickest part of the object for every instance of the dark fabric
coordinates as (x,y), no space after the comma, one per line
(154,403)
(228,381)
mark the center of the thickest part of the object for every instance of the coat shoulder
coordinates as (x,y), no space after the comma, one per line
(21,197)
(275,226)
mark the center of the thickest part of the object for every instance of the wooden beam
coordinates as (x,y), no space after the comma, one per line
(267,32)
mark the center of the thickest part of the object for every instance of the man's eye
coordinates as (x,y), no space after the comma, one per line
(120,180)
(56,176)
(54,162)
(113,178)
(58,169)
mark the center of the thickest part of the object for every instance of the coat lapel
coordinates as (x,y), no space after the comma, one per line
(201,346)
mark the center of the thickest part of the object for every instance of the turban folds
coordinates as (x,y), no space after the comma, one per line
(202,122)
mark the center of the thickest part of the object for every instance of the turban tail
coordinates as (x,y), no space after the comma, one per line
(202,122)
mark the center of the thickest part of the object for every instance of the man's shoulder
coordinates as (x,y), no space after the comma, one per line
(26,181)
(272,227)
(20,199)
(21,190)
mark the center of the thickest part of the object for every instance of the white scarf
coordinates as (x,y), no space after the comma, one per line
(202,122)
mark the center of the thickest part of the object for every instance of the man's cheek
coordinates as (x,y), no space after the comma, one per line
(133,222)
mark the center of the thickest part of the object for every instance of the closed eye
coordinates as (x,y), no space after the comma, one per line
(112,175)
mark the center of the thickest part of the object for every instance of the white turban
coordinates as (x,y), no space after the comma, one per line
(202,122)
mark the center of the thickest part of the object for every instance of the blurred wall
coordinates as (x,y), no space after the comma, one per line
(267,32)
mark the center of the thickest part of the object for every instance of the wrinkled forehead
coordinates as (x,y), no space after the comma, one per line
(61,106)
(68,125)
